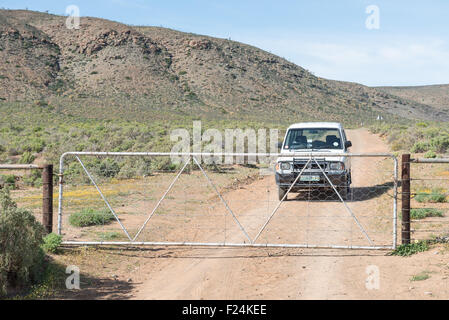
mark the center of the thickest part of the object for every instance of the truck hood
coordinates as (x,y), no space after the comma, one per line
(327,155)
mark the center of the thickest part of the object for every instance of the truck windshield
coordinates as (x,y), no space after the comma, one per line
(310,138)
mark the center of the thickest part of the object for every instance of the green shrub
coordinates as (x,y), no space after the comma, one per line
(424,213)
(51,243)
(432,132)
(420,276)
(41,103)
(81,147)
(396,146)
(108,236)
(13,152)
(124,146)
(21,257)
(8,180)
(440,143)
(128,171)
(108,168)
(420,146)
(34,179)
(430,154)
(435,196)
(90,217)
(164,165)
(405,250)
(35,145)
(27,158)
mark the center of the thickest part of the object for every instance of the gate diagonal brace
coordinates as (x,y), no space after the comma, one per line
(223,200)
(162,199)
(344,203)
(280,202)
(104,198)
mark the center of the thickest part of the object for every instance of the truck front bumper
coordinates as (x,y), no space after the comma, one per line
(338,179)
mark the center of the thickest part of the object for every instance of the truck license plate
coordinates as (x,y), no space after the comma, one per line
(309,178)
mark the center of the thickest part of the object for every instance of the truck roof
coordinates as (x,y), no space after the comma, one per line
(335,125)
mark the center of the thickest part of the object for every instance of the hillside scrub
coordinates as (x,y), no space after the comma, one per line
(38,135)
(8,180)
(421,137)
(179,74)
(21,255)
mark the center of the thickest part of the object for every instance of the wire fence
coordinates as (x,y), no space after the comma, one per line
(42,204)
(429,199)
(149,198)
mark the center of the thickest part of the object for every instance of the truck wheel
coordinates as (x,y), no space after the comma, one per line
(281,193)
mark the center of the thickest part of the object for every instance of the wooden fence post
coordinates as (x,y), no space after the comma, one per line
(47,197)
(405,184)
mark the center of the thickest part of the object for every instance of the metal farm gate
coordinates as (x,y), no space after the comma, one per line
(187,199)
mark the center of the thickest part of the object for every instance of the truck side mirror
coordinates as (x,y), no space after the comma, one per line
(348,144)
(279,145)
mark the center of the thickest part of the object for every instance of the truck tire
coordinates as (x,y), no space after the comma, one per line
(281,193)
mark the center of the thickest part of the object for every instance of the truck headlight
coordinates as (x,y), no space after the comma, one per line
(285,166)
(337,166)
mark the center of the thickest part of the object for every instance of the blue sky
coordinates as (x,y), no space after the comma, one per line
(329,38)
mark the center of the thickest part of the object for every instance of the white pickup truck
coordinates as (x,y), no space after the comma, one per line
(326,138)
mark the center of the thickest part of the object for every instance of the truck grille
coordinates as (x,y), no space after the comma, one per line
(299,165)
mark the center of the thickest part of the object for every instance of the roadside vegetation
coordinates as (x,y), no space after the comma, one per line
(21,257)
(90,217)
(28,268)
(23,248)
(424,275)
(423,213)
(406,250)
(436,195)
(429,138)
(52,243)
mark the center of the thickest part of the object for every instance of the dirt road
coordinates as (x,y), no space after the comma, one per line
(246,273)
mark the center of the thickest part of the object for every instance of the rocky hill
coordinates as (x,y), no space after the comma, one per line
(107,69)
(434,95)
